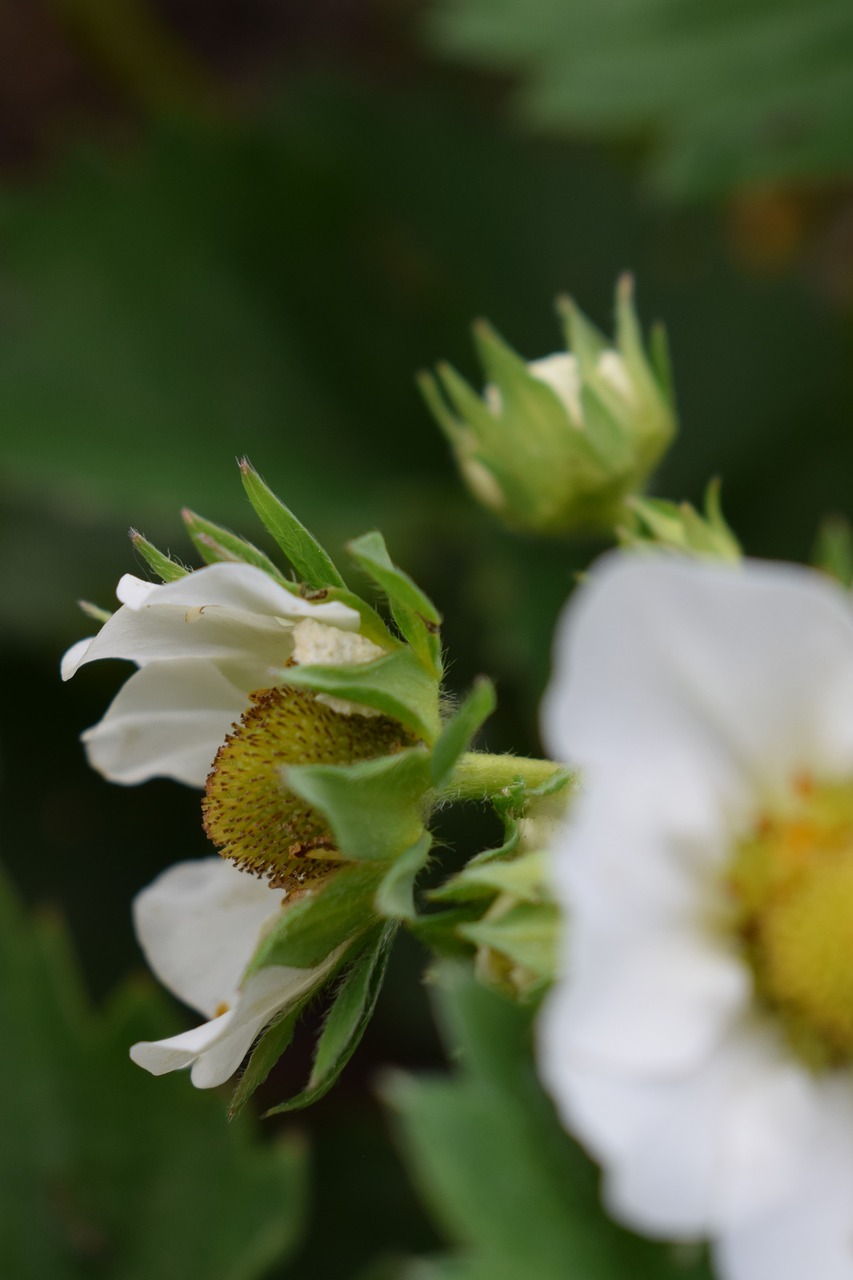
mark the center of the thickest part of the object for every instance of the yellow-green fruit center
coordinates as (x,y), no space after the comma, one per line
(792,880)
(249,813)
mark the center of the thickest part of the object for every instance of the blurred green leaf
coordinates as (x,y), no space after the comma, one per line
(760,90)
(105,1170)
(487,1152)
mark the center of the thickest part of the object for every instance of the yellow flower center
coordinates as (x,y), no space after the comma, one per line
(249,813)
(792,885)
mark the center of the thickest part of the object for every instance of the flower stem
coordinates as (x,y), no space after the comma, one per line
(479,776)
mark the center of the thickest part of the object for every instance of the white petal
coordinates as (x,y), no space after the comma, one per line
(685,671)
(690,1157)
(809,1233)
(216,1049)
(168,721)
(198,925)
(653,1002)
(560,372)
(221,612)
(241,587)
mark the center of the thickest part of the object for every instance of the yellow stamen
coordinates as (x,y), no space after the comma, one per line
(792,884)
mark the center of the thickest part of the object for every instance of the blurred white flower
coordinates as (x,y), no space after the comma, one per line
(202,644)
(199,924)
(700,1039)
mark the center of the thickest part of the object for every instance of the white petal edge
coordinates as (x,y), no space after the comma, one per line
(810,1233)
(215,1050)
(198,925)
(168,720)
(746,672)
(702,1154)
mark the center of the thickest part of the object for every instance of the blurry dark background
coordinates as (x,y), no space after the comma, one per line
(236,228)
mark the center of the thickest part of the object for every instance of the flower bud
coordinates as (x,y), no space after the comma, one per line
(558,444)
(677,526)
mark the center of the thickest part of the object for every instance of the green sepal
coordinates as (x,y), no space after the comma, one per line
(164,566)
(371,626)
(523,877)
(395,897)
(311,562)
(269,1048)
(526,934)
(583,339)
(661,360)
(396,685)
(521,393)
(439,930)
(310,929)
(215,544)
(373,807)
(94,611)
(437,405)
(472,409)
(833,549)
(276,1038)
(414,613)
(460,729)
(347,1019)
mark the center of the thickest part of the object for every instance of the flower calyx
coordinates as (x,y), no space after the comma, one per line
(557,444)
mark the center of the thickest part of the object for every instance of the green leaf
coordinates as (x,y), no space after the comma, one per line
(373,807)
(347,1019)
(487,1152)
(414,613)
(395,895)
(215,543)
(325,916)
(311,562)
(396,685)
(163,565)
(457,734)
(654,75)
(105,1170)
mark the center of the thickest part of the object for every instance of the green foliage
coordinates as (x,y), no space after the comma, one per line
(727,93)
(511,1192)
(103,1169)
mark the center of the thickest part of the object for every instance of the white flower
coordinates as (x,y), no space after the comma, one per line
(199,924)
(700,1039)
(202,644)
